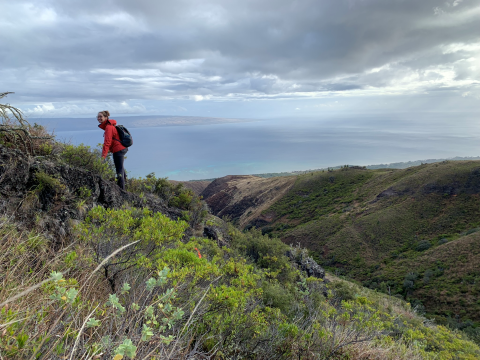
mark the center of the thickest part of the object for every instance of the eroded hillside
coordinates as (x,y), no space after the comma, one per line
(244,197)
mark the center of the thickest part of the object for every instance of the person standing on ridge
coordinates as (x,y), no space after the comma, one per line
(112,143)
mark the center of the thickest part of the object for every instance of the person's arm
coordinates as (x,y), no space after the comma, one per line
(107,140)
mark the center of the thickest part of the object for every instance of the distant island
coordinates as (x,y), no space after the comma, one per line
(78,124)
(397,165)
(155,121)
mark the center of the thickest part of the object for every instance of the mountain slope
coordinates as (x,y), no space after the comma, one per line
(244,197)
(375,225)
(248,284)
(197,186)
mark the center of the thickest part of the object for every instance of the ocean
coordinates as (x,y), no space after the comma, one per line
(278,145)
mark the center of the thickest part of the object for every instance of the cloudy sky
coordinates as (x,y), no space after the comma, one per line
(249,58)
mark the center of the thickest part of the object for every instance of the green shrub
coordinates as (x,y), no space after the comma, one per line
(174,195)
(84,157)
(106,230)
(423,245)
(84,192)
(275,295)
(408,284)
(161,187)
(45,148)
(48,182)
(471,231)
(342,290)
(411,276)
(267,253)
(426,277)
(178,305)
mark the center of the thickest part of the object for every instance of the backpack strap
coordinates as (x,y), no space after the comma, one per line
(117,134)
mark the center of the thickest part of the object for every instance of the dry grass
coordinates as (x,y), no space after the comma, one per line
(54,327)
(378,351)
(60,330)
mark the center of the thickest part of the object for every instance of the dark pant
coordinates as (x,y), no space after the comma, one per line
(118,158)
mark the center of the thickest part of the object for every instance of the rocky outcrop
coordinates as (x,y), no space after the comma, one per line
(216,229)
(55,206)
(304,262)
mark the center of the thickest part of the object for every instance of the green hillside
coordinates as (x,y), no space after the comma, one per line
(243,301)
(390,229)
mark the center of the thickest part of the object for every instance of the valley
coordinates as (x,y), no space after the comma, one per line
(408,232)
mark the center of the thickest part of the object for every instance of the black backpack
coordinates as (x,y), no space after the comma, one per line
(124,135)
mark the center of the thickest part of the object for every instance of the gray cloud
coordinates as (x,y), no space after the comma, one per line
(60,51)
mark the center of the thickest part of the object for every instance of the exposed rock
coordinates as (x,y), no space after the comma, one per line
(390,192)
(300,257)
(387,193)
(215,233)
(216,229)
(59,206)
(210,232)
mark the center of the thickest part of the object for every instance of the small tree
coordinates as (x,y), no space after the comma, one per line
(16,132)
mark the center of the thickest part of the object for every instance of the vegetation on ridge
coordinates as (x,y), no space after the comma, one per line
(410,233)
(172,302)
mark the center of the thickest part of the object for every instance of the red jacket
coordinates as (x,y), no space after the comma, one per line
(112,140)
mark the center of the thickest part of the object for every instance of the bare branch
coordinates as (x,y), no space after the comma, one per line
(16,129)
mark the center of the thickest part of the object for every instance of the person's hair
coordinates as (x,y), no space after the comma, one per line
(105,113)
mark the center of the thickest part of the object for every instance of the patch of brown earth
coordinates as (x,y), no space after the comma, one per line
(244,197)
